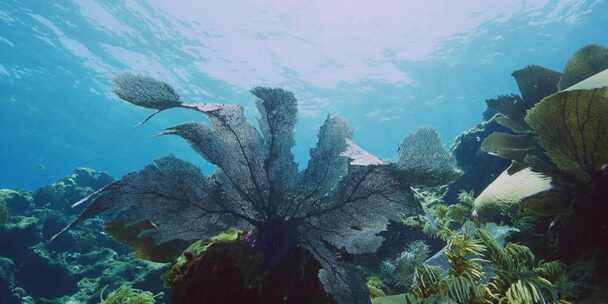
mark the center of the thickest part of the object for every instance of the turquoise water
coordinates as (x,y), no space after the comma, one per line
(431,199)
(387,69)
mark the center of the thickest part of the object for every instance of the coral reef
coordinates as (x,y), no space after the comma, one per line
(499,202)
(587,61)
(7,281)
(18,234)
(513,276)
(439,218)
(375,287)
(399,272)
(129,295)
(63,193)
(335,207)
(233,272)
(180,267)
(535,83)
(479,167)
(424,162)
(529,185)
(74,269)
(554,189)
(552,149)
(3,214)
(566,142)
(17,201)
(572,128)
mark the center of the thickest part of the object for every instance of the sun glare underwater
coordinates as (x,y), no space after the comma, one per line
(303,152)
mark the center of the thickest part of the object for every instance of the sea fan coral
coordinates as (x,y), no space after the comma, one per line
(572,127)
(341,201)
(424,161)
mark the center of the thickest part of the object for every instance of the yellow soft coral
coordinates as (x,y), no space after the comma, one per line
(129,295)
(374,285)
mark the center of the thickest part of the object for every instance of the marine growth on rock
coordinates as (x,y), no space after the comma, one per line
(340,202)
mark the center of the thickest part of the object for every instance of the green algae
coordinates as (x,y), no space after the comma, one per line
(129,295)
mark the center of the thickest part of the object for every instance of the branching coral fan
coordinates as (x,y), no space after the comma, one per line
(341,201)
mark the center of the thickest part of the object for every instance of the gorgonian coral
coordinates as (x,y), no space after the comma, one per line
(423,160)
(341,201)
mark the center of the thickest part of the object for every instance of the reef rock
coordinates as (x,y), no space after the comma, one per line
(75,268)
(479,168)
(43,276)
(229,272)
(504,114)
(105,269)
(3,214)
(17,201)
(7,281)
(586,62)
(258,186)
(18,235)
(535,83)
(68,190)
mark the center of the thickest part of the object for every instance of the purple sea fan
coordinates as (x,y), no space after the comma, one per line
(342,200)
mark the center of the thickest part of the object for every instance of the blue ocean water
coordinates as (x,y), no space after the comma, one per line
(388,68)
(57,58)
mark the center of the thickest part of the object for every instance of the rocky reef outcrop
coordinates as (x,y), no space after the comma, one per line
(229,272)
(68,190)
(7,281)
(77,267)
(479,168)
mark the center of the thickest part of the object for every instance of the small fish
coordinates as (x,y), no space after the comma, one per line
(41,167)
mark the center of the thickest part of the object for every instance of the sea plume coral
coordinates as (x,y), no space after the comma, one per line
(483,270)
(340,202)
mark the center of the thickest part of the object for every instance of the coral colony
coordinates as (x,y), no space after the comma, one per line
(521,221)
(340,202)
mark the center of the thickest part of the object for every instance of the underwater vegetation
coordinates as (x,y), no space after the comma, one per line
(230,271)
(129,295)
(480,168)
(441,219)
(587,61)
(530,189)
(517,276)
(64,192)
(333,209)
(559,153)
(550,192)
(399,272)
(423,162)
(74,269)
